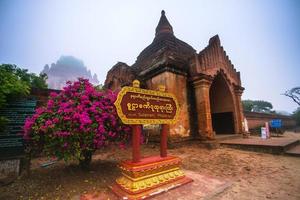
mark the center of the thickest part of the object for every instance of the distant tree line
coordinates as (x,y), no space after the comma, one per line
(257,106)
(266,107)
(16,82)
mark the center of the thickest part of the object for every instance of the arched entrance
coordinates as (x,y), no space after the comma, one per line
(222,107)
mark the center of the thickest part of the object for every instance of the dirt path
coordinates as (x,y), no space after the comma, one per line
(254,175)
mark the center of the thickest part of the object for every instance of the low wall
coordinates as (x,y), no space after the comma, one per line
(42,95)
(256,120)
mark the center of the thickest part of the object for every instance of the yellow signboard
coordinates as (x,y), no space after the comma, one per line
(140,106)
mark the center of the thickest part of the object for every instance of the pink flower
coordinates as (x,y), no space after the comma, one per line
(48,123)
(78,118)
(50,104)
(27,128)
(62,133)
(122,146)
(55,120)
(65,145)
(53,94)
(101,128)
(39,111)
(85,119)
(67,118)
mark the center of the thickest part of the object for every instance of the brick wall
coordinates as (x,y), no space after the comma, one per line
(42,95)
(256,120)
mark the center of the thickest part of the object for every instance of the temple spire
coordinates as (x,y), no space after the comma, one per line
(163,25)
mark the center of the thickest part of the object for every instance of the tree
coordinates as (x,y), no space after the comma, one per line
(76,122)
(257,106)
(294,94)
(247,105)
(296,115)
(16,82)
(262,106)
(38,81)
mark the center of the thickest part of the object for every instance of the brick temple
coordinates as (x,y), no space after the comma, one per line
(206,84)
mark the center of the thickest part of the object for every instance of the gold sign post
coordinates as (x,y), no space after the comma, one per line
(145,177)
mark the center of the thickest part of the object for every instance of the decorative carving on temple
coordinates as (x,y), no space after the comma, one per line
(212,59)
(238,90)
(118,76)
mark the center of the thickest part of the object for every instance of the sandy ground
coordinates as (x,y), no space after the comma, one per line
(254,175)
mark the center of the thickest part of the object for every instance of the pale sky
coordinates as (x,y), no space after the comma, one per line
(261,37)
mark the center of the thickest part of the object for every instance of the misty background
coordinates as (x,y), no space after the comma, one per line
(261,37)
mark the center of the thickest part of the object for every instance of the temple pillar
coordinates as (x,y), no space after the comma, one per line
(238,91)
(202,87)
(177,85)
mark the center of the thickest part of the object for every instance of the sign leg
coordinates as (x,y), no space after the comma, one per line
(136,141)
(163,140)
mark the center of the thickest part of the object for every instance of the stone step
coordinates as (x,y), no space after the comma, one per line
(11,140)
(273,145)
(227,137)
(294,151)
(16,110)
(291,145)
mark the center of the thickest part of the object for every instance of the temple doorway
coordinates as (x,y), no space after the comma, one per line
(222,107)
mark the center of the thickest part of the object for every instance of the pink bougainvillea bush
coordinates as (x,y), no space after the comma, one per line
(76,122)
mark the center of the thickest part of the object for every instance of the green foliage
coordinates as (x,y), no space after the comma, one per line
(38,81)
(257,106)
(3,123)
(99,87)
(11,84)
(296,115)
(247,105)
(16,82)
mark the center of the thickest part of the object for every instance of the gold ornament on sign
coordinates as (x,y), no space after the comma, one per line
(136,83)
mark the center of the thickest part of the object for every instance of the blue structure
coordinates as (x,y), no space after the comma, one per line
(276,123)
